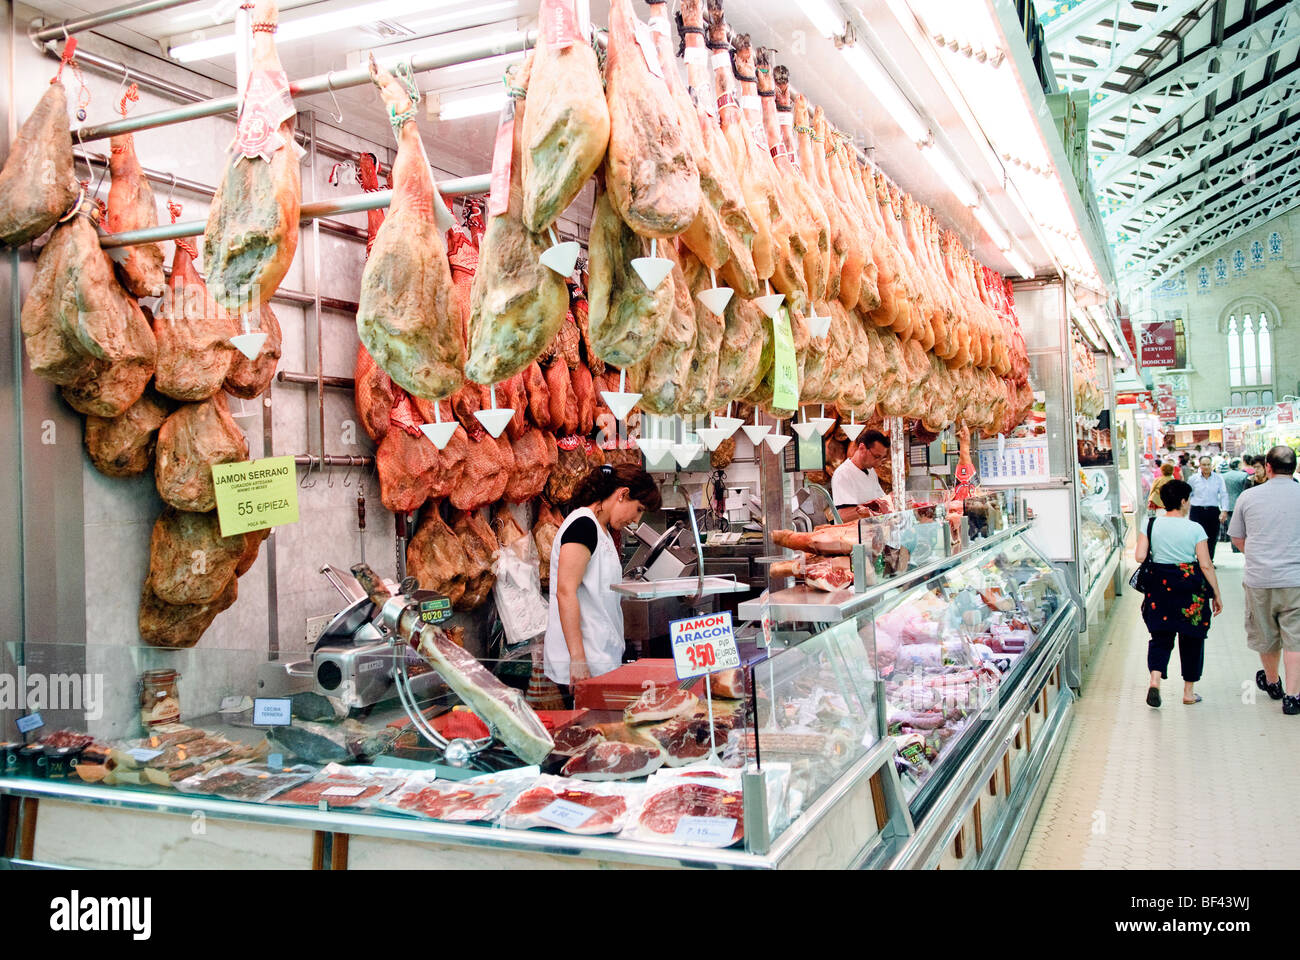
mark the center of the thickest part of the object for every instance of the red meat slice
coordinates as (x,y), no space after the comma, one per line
(607,809)
(573,739)
(685,741)
(662,703)
(612,760)
(454,803)
(728,683)
(665,809)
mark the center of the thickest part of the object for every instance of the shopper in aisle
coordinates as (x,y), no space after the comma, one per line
(1236,480)
(584,633)
(1184,467)
(1266,527)
(1260,466)
(1209,501)
(1181,590)
(854,484)
(1154,503)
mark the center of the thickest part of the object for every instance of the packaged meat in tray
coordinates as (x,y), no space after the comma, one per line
(688,812)
(573,806)
(253,782)
(449,801)
(340,786)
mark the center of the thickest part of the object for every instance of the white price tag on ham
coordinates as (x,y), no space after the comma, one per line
(566,814)
(751,102)
(499,194)
(721,60)
(696,56)
(786,119)
(646,41)
(343,792)
(559,23)
(715,831)
(703,645)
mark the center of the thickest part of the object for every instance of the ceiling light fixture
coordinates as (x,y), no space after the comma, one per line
(992,228)
(887,94)
(955,180)
(475,105)
(1019,264)
(825,16)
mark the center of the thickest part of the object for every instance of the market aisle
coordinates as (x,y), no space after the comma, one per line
(1210,786)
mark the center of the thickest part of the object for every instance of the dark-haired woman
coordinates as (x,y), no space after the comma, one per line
(584,636)
(1181,591)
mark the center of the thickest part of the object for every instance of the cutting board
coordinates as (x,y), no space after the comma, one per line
(623,686)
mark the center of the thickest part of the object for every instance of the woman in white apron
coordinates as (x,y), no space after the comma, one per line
(584,636)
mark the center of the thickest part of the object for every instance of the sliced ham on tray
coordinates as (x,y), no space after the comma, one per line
(664,809)
(609,810)
(574,739)
(611,760)
(662,703)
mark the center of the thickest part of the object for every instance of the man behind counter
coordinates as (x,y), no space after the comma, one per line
(855,488)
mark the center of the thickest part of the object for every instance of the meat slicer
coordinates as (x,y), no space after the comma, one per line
(352,660)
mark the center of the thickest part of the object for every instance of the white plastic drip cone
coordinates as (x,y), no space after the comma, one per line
(715,299)
(562,257)
(756,432)
(439,434)
(496,420)
(249,344)
(776,441)
(620,404)
(652,270)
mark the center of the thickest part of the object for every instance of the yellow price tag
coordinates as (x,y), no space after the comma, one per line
(785,381)
(255,494)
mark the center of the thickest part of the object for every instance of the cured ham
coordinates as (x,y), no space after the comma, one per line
(614,760)
(661,703)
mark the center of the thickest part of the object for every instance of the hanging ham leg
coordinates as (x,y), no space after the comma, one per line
(409,314)
(252,230)
(131,207)
(193,333)
(37,184)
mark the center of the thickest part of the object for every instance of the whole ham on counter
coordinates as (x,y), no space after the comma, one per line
(252,231)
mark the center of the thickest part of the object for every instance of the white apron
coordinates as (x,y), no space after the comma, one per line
(601,608)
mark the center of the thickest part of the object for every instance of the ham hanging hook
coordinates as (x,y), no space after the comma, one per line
(329,85)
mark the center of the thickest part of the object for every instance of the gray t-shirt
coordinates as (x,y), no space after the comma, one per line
(1268,516)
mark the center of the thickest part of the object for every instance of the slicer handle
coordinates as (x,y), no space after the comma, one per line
(374,586)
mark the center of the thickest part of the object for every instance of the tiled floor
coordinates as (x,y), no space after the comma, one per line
(1183,787)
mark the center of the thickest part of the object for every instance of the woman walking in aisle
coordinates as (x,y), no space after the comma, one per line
(1181,590)
(1154,504)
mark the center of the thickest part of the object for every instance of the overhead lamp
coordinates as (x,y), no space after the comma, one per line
(886,92)
(825,16)
(991,227)
(954,179)
(472,106)
(298,29)
(1019,264)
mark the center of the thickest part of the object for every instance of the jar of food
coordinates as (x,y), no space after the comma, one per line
(160,700)
(31,760)
(9,758)
(61,762)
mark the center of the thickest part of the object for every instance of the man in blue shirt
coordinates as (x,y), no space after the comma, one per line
(1209,501)
(1236,480)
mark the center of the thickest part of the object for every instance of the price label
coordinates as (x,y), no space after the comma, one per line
(255,494)
(559,23)
(343,792)
(646,41)
(502,153)
(696,56)
(785,387)
(785,118)
(717,831)
(751,102)
(143,755)
(435,610)
(565,814)
(272,712)
(721,60)
(30,722)
(275,760)
(703,645)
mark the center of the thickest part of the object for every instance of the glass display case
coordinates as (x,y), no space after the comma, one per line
(1100,542)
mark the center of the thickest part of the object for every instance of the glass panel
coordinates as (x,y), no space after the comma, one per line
(1250,372)
(1252,399)
(1266,397)
(1265,351)
(947,651)
(1236,399)
(1234,352)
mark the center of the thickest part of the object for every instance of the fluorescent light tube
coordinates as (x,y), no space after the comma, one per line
(313,26)
(473,106)
(886,92)
(956,181)
(995,232)
(825,16)
(1019,264)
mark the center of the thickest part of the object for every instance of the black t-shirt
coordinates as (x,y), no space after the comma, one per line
(583,531)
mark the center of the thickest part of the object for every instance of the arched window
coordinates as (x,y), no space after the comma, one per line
(1249,325)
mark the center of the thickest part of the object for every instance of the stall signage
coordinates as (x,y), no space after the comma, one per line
(785,385)
(1126,327)
(703,645)
(710,830)
(1285,413)
(1159,344)
(255,494)
(1247,413)
(30,722)
(1200,416)
(272,712)
(1166,402)
(435,610)
(565,814)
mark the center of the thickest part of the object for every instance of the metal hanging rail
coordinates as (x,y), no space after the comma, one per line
(286,295)
(448,56)
(357,203)
(340,383)
(193,186)
(64,28)
(176,92)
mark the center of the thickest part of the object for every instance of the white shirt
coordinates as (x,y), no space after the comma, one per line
(1209,491)
(600,607)
(852,487)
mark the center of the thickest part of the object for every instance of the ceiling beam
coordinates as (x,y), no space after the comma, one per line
(1176,88)
(1151,28)
(1258,108)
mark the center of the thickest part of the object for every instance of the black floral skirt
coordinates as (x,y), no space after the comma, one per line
(1178,598)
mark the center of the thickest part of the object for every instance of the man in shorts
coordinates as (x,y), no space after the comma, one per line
(1266,527)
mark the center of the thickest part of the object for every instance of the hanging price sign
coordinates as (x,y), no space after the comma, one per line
(785,369)
(255,494)
(703,645)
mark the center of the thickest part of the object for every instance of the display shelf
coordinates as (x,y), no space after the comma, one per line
(679,587)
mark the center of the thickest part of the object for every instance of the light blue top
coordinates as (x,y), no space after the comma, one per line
(1174,540)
